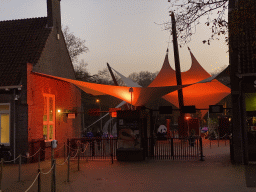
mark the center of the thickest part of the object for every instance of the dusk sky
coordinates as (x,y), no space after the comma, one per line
(125,34)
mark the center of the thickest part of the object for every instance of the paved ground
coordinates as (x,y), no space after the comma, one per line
(216,173)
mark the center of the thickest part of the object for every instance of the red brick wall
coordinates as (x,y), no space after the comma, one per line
(67,97)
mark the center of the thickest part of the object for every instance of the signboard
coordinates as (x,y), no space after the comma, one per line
(215,108)
(113,111)
(71,116)
(165,109)
(188,109)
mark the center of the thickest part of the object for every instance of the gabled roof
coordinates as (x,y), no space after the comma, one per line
(21,42)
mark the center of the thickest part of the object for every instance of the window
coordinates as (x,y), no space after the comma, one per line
(5,123)
(49,117)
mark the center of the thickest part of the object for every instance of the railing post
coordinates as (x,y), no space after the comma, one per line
(19,166)
(111,147)
(78,159)
(1,173)
(68,148)
(39,156)
(201,149)
(64,151)
(172,149)
(39,181)
(68,168)
(54,176)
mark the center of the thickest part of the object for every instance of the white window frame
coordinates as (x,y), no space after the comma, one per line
(48,122)
(6,112)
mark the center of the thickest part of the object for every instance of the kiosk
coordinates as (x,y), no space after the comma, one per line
(133,128)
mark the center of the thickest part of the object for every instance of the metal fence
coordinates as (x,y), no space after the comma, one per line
(93,148)
(169,149)
(176,148)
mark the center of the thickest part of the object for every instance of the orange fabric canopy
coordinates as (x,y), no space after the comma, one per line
(140,96)
(201,95)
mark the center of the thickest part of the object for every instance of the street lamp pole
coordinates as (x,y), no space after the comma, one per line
(98,101)
(131,90)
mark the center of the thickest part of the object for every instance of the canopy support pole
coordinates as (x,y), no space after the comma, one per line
(178,74)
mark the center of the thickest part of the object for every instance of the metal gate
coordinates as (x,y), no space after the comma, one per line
(176,148)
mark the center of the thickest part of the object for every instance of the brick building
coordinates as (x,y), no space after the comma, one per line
(29,102)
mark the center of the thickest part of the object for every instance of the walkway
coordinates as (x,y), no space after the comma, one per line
(216,173)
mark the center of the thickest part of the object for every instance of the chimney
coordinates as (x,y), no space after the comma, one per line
(53,14)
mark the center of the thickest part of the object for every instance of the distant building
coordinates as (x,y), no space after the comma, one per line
(28,101)
(242,50)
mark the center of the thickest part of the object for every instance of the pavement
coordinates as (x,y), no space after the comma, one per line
(216,173)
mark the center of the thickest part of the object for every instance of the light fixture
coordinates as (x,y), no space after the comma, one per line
(59,110)
(16,97)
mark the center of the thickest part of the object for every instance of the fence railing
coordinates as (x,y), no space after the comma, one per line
(171,148)
(175,148)
(93,148)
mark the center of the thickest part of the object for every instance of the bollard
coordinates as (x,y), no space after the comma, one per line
(1,173)
(78,159)
(52,160)
(39,181)
(68,168)
(19,166)
(54,176)
(39,159)
(64,151)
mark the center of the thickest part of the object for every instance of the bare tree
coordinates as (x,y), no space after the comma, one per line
(75,45)
(190,13)
(143,78)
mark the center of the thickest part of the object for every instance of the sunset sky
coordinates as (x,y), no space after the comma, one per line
(126,34)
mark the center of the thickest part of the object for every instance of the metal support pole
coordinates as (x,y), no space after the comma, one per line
(177,68)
